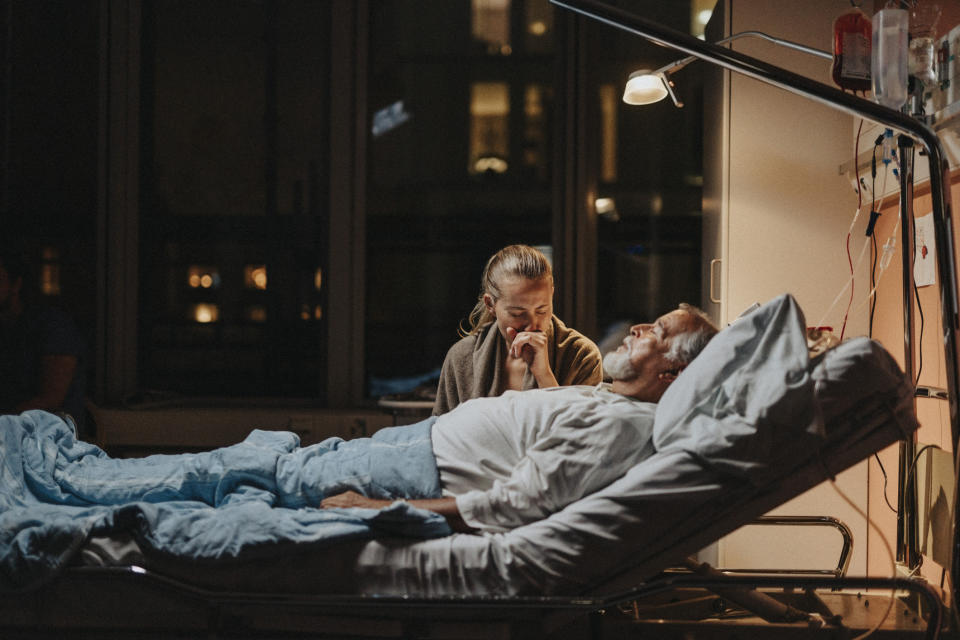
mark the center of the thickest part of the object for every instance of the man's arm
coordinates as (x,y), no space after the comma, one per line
(446,507)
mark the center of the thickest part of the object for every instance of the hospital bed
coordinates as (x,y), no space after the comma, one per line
(751,423)
(607,549)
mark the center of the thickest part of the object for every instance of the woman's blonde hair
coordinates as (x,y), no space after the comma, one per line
(514,261)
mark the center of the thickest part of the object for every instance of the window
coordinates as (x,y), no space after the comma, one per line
(283,205)
(234,219)
(467,172)
(648,177)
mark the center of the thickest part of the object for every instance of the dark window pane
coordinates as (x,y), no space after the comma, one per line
(234,218)
(459,156)
(649,175)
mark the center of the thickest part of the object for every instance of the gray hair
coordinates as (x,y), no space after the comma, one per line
(684,347)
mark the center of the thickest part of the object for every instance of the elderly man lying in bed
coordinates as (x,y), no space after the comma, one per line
(491,464)
(519,457)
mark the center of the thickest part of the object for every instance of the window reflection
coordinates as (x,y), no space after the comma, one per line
(491,25)
(256,313)
(535,129)
(608,132)
(202,277)
(50,271)
(205,312)
(539,25)
(489,127)
(255,276)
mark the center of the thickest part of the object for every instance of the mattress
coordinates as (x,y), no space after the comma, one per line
(726,454)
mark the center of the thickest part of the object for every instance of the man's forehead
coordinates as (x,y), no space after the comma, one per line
(676,321)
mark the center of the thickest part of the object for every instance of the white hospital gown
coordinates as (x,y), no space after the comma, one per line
(521,456)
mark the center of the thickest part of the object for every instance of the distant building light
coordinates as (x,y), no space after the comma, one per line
(491,164)
(308,313)
(50,279)
(256,313)
(255,276)
(49,271)
(204,313)
(203,277)
(537,27)
(317,278)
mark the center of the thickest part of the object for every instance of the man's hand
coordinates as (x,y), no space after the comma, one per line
(532,346)
(446,507)
(353,499)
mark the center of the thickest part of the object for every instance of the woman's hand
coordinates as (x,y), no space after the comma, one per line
(533,348)
(352,499)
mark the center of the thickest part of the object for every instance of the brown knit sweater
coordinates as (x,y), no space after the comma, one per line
(473,367)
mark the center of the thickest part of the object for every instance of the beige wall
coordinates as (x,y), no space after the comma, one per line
(783,211)
(784,214)
(888,329)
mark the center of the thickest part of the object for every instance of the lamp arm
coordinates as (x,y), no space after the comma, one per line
(676,65)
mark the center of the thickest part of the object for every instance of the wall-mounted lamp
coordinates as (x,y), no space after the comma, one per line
(606,208)
(646,87)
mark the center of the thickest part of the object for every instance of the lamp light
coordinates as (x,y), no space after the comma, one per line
(647,87)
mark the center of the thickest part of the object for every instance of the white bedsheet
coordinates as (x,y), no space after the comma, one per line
(751,423)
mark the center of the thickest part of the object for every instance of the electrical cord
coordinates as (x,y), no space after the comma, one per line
(883,472)
(871,231)
(886,545)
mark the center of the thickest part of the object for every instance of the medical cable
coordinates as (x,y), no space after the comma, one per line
(850,281)
(916,296)
(883,472)
(856,154)
(871,231)
(910,473)
(886,255)
(886,545)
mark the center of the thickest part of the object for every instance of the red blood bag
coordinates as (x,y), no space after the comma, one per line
(852,36)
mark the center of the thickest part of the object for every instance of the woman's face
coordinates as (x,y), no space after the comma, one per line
(525,305)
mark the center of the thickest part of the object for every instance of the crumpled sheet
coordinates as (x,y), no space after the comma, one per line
(251,499)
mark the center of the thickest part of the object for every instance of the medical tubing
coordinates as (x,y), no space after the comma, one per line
(853,282)
(843,289)
(883,472)
(886,545)
(888,248)
(856,215)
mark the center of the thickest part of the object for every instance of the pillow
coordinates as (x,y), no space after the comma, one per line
(746,396)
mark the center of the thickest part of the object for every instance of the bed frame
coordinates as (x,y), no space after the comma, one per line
(100,602)
(915,130)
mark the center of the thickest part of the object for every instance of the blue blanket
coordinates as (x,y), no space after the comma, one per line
(238,501)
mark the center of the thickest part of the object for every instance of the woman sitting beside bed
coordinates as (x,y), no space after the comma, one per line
(514,341)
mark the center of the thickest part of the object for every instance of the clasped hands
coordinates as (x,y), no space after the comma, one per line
(532,347)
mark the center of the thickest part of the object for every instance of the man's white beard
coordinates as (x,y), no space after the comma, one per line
(618,366)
